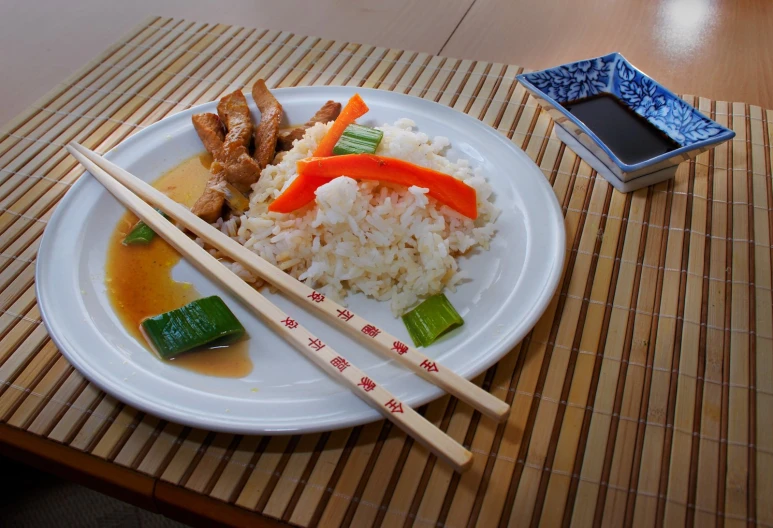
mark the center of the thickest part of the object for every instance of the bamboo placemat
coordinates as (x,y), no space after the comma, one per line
(643,396)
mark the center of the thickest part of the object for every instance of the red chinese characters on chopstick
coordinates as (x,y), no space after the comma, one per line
(429,366)
(399,347)
(316,297)
(340,363)
(346,315)
(394,406)
(370,330)
(292,324)
(367,384)
(316,344)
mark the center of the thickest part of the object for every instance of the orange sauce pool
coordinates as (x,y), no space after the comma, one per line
(139,278)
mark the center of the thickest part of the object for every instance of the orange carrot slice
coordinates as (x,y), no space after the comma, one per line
(315,172)
(353,110)
(299,193)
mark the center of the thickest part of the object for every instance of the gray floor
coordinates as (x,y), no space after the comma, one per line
(40,500)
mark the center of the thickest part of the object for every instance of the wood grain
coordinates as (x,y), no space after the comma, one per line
(84,469)
(67,37)
(720,49)
(642,397)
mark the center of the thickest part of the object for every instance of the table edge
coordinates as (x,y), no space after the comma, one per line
(125,484)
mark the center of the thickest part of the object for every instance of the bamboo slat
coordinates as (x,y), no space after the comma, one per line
(642,396)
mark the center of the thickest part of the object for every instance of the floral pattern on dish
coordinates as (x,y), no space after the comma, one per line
(671,115)
(613,74)
(576,80)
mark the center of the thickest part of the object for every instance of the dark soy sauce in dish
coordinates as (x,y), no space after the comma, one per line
(631,137)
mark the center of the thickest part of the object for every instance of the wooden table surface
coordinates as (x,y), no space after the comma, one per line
(717,49)
(720,49)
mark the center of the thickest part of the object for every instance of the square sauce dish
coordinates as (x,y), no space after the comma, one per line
(624,124)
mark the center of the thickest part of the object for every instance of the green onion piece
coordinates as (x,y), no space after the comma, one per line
(195,324)
(141,234)
(431,319)
(358,139)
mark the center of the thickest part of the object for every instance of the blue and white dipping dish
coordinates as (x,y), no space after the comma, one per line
(613,74)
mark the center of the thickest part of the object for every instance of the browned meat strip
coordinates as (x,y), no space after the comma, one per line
(327,113)
(210,131)
(235,114)
(268,128)
(209,206)
(242,172)
(237,165)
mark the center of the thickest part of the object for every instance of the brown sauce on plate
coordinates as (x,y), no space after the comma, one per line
(630,136)
(139,278)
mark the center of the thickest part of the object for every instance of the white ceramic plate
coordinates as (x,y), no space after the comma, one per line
(512,285)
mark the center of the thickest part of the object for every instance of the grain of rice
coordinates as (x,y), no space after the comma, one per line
(389,242)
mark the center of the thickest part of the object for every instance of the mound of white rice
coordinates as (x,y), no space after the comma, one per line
(389,242)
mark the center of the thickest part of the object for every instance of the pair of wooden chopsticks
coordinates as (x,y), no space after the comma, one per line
(134,193)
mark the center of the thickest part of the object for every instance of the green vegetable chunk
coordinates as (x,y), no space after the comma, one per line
(431,319)
(358,139)
(195,324)
(141,234)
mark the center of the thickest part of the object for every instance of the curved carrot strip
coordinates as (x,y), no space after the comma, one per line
(315,172)
(354,109)
(299,193)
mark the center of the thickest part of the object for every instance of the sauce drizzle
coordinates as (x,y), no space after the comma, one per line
(139,278)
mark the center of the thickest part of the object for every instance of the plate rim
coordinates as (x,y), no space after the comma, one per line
(540,305)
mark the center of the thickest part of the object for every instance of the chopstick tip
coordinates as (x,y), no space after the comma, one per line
(503,412)
(467,463)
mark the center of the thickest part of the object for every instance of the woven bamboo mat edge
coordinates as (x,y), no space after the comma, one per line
(333,478)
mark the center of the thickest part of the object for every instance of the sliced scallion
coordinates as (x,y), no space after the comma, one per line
(358,139)
(195,324)
(141,234)
(431,319)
